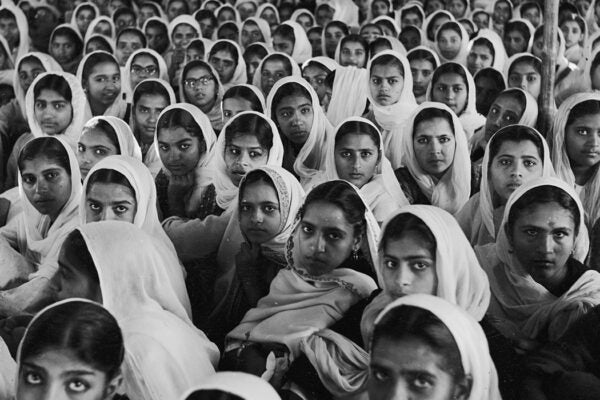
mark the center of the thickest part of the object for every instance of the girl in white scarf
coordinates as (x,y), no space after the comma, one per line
(23,46)
(432,24)
(301,48)
(392,99)
(444,39)
(237,384)
(235,52)
(520,27)
(133,75)
(263,27)
(82,24)
(95,29)
(449,191)
(499,56)
(272,68)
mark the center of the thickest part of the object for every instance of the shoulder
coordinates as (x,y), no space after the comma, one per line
(410,187)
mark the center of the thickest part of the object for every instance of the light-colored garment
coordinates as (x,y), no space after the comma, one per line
(513,60)
(302,49)
(226,6)
(257,78)
(238,384)
(87,4)
(95,22)
(128,146)
(263,7)
(239,74)
(257,93)
(165,355)
(429,21)
(528,25)
(312,155)
(184,19)
(8,372)
(463,52)
(349,94)
(590,195)
(343,10)
(393,118)
(436,64)
(479,218)
(23,27)
(71,65)
(469,338)
(265,30)
(495,40)
(7,68)
(590,18)
(522,308)
(162,71)
(453,189)
(303,11)
(382,193)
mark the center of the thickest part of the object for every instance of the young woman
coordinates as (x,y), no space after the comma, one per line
(515,155)
(98,42)
(411,37)
(128,40)
(304,17)
(531,11)
(576,155)
(227,59)
(433,22)
(198,49)
(227,13)
(452,42)
(525,71)
(574,31)
(66,47)
(294,107)
(380,7)
(273,68)
(185,141)
(352,51)
(157,32)
(50,188)
(100,77)
(489,83)
(385,43)
(131,274)
(255,30)
(356,155)
(200,86)
(423,61)
(539,286)
(75,346)
(290,38)
(435,153)
(392,100)
(333,32)
(518,36)
(315,71)
(482,19)
(502,12)
(141,65)
(242,98)
(412,15)
(228,30)
(182,30)
(18,36)
(388,25)
(431,334)
(246,387)
(102,137)
(102,25)
(269,13)
(370,32)
(253,55)
(453,86)
(486,50)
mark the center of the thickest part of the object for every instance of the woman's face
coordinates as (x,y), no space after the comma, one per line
(251,34)
(283,45)
(325,238)
(356,158)
(104,83)
(533,15)
(146,12)
(62,49)
(52,112)
(224,63)
(386,84)
(410,39)
(175,9)
(252,63)
(514,42)
(93,146)
(272,71)
(333,35)
(449,42)
(125,20)
(486,91)
(439,21)
(515,164)
(353,54)
(243,154)
(379,8)
(582,139)
(71,280)
(97,44)
(157,38)
(408,266)
(422,72)
(84,18)
(316,77)
(183,34)
(145,113)
(572,33)
(370,33)
(501,12)
(228,32)
(457,8)
(410,368)
(479,57)
(481,20)
(128,43)
(103,28)
(260,216)
(433,6)
(110,202)
(46,185)
(434,146)
(200,87)
(269,16)
(143,67)
(523,75)
(232,106)
(294,116)
(226,15)
(542,239)
(451,89)
(179,150)
(316,41)
(305,21)
(411,18)
(246,10)
(28,71)
(324,15)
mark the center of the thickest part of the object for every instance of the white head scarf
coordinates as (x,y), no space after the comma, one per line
(520,306)
(96,21)
(586,74)
(257,79)
(49,64)
(321,129)
(590,194)
(72,132)
(302,49)
(239,74)
(9,63)
(482,11)
(239,384)
(183,19)
(452,191)
(135,273)
(388,19)
(264,27)
(529,27)
(238,19)
(226,190)
(349,94)
(163,72)
(163,22)
(343,10)
(323,32)
(463,52)
(495,40)
(263,7)
(128,146)
(302,11)
(93,36)
(590,18)
(392,119)
(429,21)
(514,59)
(469,337)
(23,26)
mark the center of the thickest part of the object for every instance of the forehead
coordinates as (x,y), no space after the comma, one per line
(106,68)
(549,214)
(326,215)
(244,140)
(144,58)
(236,102)
(358,140)
(50,95)
(130,37)
(39,163)
(523,147)
(313,70)
(154,99)
(451,78)
(109,191)
(183,28)
(509,102)
(435,126)
(173,134)
(198,72)
(95,136)
(223,55)
(523,67)
(386,70)
(259,191)
(273,65)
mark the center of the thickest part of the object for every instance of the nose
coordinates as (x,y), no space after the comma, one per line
(523,83)
(356,164)
(257,217)
(108,214)
(436,147)
(594,139)
(546,244)
(399,392)
(403,276)
(319,244)
(172,155)
(517,169)
(244,159)
(152,118)
(54,392)
(41,186)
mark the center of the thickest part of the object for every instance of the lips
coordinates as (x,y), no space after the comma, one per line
(543,263)
(514,185)
(356,175)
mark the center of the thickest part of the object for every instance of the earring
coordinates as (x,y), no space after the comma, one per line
(355,254)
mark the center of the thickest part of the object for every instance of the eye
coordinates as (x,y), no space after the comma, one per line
(307,229)
(269,209)
(121,209)
(421,382)
(234,151)
(163,147)
(227,114)
(582,131)
(184,147)
(379,374)
(561,234)
(376,81)
(505,162)
(100,152)
(32,378)
(80,148)
(77,386)
(95,207)
(334,236)
(530,163)
(51,175)
(255,154)
(366,154)
(390,264)
(419,266)
(531,232)
(28,179)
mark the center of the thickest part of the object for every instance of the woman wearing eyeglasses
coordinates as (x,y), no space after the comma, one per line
(143,64)
(201,87)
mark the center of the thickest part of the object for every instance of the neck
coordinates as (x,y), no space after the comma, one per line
(582,174)
(207,108)
(554,282)
(97,107)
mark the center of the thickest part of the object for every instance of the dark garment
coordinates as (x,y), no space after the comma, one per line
(410,187)
(574,271)
(208,204)
(595,246)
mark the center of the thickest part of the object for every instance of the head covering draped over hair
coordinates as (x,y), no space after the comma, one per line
(302,49)
(257,79)
(128,146)
(71,65)
(95,22)
(495,40)
(239,74)
(215,114)
(49,64)
(184,19)
(264,28)
(23,27)
(239,384)
(463,52)
(163,72)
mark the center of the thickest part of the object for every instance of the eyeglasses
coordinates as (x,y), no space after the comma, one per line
(139,70)
(195,83)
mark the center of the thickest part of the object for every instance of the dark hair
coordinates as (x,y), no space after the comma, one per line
(430,34)
(47,146)
(542,195)
(55,83)
(330,79)
(450,68)
(31,59)
(254,176)
(514,133)
(157,24)
(371,25)
(485,42)
(316,64)
(529,4)
(528,59)
(595,63)
(135,31)
(581,109)
(449,26)
(206,14)
(185,3)
(179,118)
(286,32)
(7,14)
(413,322)
(94,59)
(123,11)
(205,394)
(287,90)
(380,41)
(107,129)
(245,93)
(410,29)
(387,59)
(153,5)
(358,128)
(86,329)
(411,10)
(519,26)
(318,29)
(255,49)
(250,124)
(342,195)
(430,113)
(196,44)
(147,54)
(102,40)
(230,25)
(388,24)
(355,39)
(279,57)
(222,45)
(70,33)
(108,176)
(197,64)
(408,224)
(150,88)
(338,24)
(421,54)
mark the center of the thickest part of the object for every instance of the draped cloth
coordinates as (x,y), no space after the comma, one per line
(429,21)
(95,22)
(238,384)
(23,26)
(239,74)
(163,72)
(226,190)
(165,354)
(470,340)
(78,101)
(312,155)
(302,49)
(452,190)
(393,118)
(87,4)
(71,65)
(522,308)
(184,19)
(349,94)
(513,60)
(463,52)
(495,40)
(382,193)
(265,30)
(479,218)
(590,194)
(128,146)
(257,79)
(343,10)
(202,171)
